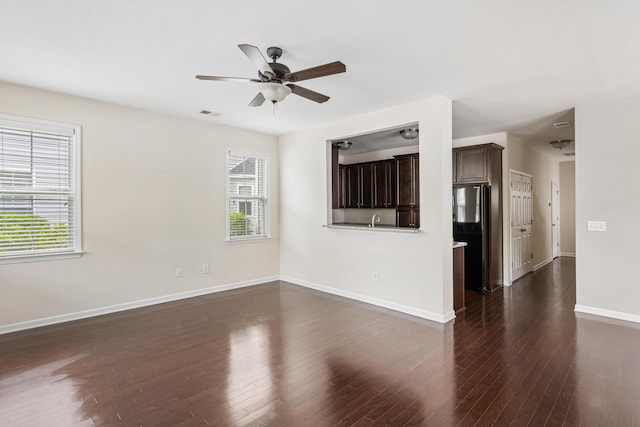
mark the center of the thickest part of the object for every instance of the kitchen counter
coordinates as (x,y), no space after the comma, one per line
(367,227)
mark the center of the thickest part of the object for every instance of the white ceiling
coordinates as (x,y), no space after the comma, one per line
(507,65)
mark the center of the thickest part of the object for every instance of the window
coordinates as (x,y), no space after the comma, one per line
(245,208)
(39,189)
(247,195)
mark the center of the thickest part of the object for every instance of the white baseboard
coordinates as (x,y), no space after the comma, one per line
(542,264)
(607,313)
(46,321)
(568,254)
(447,317)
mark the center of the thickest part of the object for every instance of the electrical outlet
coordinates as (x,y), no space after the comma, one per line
(205,269)
(376,276)
(178,273)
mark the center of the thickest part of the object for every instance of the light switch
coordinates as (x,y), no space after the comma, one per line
(596,225)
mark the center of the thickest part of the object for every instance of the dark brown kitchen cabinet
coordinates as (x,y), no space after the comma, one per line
(384,183)
(408,190)
(458,279)
(477,163)
(342,187)
(407,167)
(359,188)
(335,178)
(407,217)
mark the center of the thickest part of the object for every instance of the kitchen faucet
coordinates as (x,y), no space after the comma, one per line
(375,218)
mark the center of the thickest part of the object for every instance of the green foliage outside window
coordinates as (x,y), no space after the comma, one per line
(240,225)
(26,231)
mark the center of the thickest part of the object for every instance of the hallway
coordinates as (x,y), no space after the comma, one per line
(279,354)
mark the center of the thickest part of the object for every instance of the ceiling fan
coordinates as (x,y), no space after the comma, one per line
(276,81)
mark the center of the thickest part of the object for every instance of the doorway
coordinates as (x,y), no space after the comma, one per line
(521,223)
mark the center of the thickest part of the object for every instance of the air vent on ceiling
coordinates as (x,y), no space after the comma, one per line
(210,113)
(560,125)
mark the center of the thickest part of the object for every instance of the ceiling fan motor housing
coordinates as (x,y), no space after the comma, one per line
(274,53)
(281,70)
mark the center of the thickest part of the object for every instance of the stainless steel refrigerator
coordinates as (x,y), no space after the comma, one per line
(471,225)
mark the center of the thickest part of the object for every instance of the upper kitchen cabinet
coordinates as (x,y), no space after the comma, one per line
(342,187)
(359,188)
(478,163)
(335,178)
(408,191)
(407,167)
(384,183)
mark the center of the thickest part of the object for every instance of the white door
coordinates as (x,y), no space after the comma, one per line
(521,224)
(555,220)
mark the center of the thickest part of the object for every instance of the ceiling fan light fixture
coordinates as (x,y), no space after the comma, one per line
(409,133)
(561,143)
(274,92)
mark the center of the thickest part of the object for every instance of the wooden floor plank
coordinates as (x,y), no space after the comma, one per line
(279,354)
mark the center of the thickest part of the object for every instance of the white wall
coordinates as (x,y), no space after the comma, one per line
(415,270)
(607,153)
(153,200)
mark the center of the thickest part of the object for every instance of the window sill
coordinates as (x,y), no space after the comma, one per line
(249,239)
(40,257)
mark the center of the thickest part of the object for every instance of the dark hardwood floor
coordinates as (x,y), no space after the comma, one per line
(278,354)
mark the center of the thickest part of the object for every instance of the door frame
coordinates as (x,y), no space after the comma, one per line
(555,220)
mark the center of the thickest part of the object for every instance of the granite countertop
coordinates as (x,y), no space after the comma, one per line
(367,227)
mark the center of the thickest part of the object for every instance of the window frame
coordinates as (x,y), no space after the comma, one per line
(265,199)
(75,132)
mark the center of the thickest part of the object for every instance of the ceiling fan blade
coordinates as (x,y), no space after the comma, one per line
(314,72)
(258,59)
(309,94)
(258,100)
(227,79)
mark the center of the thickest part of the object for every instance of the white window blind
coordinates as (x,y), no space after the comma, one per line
(38,190)
(247,195)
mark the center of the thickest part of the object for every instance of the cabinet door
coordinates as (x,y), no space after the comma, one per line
(408,180)
(458,279)
(408,217)
(359,186)
(342,186)
(415,176)
(390,174)
(379,185)
(352,187)
(335,178)
(383,184)
(454,165)
(405,181)
(471,164)
(366,185)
